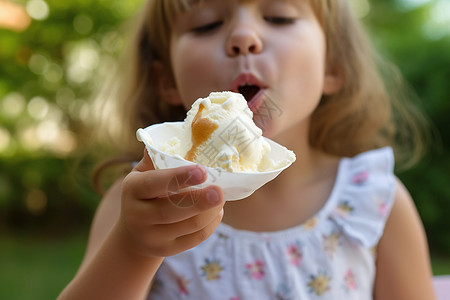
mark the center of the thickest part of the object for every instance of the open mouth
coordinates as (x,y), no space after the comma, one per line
(249,91)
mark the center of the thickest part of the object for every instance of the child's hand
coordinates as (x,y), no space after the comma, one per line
(158,219)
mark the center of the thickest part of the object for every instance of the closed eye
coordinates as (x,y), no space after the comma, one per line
(207,27)
(280,20)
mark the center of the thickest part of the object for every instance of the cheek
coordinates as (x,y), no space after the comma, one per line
(183,62)
(302,76)
(305,66)
(192,71)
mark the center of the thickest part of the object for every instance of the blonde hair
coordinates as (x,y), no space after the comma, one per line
(374,108)
(363,115)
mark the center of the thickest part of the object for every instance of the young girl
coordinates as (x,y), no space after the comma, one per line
(337,224)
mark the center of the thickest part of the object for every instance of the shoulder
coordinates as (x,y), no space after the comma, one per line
(403,219)
(403,265)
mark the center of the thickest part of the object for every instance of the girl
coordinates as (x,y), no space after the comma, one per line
(337,224)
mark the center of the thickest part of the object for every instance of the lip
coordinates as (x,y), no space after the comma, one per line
(250,79)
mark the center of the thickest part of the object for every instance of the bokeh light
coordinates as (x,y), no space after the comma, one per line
(82,60)
(37,108)
(438,23)
(13,16)
(83,24)
(5,139)
(38,9)
(64,97)
(12,105)
(361,8)
(411,4)
(53,73)
(28,138)
(36,202)
(38,63)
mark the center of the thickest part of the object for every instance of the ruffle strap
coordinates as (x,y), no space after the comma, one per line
(367,196)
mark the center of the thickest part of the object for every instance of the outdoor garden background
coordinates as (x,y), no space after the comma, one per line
(54,53)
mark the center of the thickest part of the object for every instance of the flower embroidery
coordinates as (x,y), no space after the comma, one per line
(256,270)
(319,284)
(295,255)
(212,269)
(283,292)
(382,209)
(350,281)
(331,243)
(311,223)
(344,209)
(360,178)
(223,236)
(373,251)
(182,285)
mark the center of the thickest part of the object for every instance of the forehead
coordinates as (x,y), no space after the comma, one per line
(172,8)
(187,3)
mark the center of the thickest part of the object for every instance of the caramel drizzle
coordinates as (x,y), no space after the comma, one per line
(201,129)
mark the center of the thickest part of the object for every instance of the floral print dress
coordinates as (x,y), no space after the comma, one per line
(331,256)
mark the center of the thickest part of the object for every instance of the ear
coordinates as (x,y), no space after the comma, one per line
(165,84)
(333,82)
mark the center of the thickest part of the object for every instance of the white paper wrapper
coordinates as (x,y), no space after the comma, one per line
(235,185)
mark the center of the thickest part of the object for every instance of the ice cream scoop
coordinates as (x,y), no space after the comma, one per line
(219,133)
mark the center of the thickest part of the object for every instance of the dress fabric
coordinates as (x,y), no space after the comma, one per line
(331,256)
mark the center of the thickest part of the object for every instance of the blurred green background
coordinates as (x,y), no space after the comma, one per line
(48,72)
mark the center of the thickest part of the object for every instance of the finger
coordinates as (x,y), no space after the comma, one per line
(189,241)
(190,225)
(145,164)
(163,210)
(160,183)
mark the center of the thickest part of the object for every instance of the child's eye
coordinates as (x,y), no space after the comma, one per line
(280,20)
(207,27)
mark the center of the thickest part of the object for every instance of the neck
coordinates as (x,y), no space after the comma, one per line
(308,160)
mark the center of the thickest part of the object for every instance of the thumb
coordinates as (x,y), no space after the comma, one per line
(145,164)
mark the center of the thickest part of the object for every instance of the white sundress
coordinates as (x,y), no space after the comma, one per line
(331,256)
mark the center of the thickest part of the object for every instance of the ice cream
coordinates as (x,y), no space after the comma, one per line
(219,132)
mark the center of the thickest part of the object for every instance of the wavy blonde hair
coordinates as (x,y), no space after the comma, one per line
(367,113)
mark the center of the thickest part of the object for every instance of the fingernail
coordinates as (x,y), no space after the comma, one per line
(212,196)
(195,175)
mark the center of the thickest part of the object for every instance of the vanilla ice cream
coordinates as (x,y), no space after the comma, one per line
(219,132)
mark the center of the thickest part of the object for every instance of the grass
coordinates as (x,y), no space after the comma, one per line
(37,269)
(32,268)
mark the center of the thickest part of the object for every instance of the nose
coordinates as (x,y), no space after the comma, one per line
(243,40)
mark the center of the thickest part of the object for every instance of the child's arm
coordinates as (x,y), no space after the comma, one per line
(135,227)
(403,265)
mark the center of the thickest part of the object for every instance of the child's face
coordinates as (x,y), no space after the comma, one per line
(276,46)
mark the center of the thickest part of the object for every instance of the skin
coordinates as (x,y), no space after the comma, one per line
(282,44)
